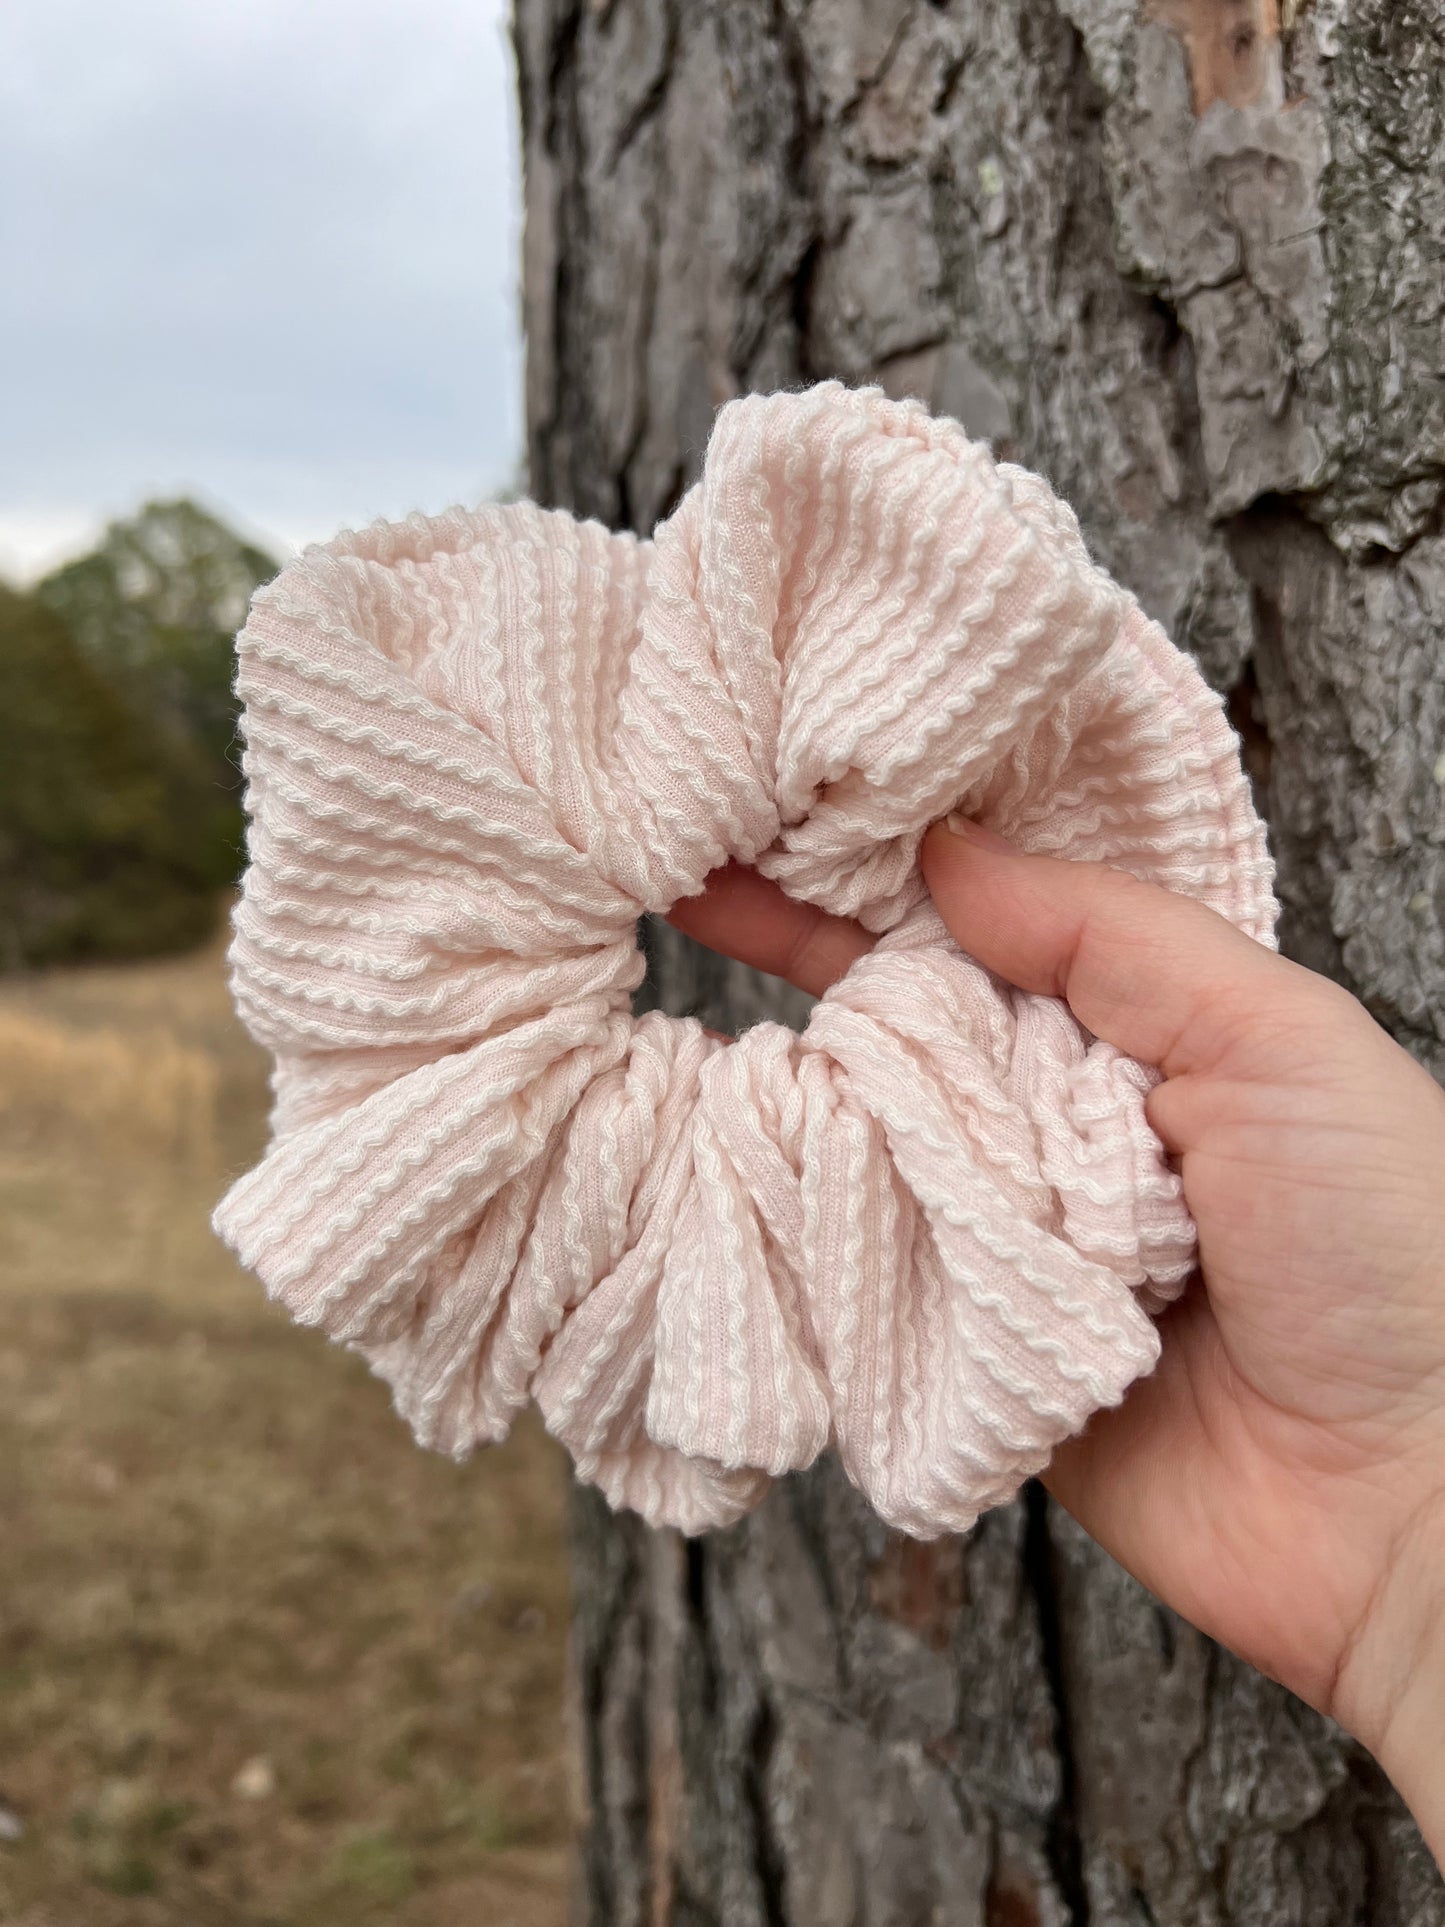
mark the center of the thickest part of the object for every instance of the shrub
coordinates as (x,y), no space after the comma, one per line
(115,835)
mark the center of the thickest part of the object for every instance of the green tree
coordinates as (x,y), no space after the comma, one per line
(155,607)
(115,837)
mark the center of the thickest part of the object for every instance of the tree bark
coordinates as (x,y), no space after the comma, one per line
(1187,259)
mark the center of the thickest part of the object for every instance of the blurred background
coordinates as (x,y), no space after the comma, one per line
(260,1659)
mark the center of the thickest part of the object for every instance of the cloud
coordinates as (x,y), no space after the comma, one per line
(266,253)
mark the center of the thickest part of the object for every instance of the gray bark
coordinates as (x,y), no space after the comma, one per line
(1187,259)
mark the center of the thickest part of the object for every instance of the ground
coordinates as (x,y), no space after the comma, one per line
(263,1663)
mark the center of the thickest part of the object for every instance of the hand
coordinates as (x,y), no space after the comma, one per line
(1280,1478)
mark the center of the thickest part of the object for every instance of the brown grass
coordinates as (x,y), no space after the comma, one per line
(262,1662)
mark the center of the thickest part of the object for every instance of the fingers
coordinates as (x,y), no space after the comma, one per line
(745,916)
(1161,976)
(1140,1479)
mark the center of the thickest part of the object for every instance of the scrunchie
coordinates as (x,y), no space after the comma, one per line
(929,1230)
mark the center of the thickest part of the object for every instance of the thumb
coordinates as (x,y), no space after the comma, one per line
(1161,976)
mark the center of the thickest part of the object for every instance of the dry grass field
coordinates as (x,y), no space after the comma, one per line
(262,1662)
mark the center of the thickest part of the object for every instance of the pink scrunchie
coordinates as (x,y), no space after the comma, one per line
(929,1230)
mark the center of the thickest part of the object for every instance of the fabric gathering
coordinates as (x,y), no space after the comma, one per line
(931,1231)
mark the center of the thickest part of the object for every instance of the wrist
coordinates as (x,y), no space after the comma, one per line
(1390,1693)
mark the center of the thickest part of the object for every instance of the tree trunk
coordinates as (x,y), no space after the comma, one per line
(1187,259)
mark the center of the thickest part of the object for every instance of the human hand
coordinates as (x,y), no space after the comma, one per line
(1280,1478)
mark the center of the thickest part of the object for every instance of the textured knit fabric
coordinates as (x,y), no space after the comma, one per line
(930,1230)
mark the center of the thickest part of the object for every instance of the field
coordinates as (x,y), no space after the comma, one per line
(262,1662)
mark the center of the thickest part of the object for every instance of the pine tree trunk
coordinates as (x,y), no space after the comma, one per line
(1187,259)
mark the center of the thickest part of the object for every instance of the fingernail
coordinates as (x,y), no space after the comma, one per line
(971,832)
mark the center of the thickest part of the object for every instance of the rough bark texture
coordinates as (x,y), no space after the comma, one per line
(1187,259)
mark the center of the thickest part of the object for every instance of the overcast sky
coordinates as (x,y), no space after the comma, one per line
(259,251)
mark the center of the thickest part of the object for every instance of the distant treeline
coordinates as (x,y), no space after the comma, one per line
(120,787)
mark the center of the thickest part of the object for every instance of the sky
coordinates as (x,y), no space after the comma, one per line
(261,252)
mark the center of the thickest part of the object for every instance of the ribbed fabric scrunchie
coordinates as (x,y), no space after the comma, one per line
(930,1230)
